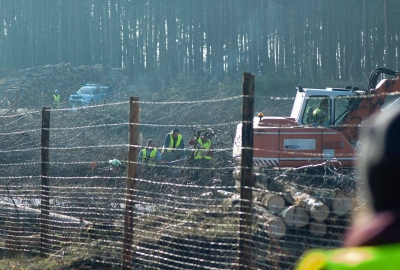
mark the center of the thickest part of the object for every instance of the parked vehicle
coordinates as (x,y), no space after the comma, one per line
(91,94)
(299,140)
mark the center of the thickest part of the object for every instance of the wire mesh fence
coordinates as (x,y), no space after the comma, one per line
(186,212)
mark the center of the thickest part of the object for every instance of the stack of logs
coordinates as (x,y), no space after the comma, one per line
(285,201)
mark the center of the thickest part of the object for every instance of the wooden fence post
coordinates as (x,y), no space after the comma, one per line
(44,204)
(127,256)
(246,182)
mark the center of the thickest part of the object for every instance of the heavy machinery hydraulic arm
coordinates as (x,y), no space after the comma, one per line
(369,102)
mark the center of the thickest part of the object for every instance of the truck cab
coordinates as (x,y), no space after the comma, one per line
(308,100)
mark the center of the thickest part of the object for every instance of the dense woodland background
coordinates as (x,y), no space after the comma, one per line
(185,60)
(204,40)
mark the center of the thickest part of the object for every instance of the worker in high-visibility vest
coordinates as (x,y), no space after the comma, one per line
(201,156)
(56,98)
(202,147)
(173,146)
(149,154)
(321,114)
(373,243)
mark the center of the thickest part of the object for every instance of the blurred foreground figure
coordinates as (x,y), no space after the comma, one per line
(374,244)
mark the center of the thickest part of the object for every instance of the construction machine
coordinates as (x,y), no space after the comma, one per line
(302,139)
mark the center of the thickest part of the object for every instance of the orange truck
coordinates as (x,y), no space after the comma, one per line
(323,126)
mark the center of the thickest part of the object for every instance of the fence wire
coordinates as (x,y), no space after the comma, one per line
(186,211)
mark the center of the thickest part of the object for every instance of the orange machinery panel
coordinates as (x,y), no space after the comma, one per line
(336,146)
(266,146)
(299,146)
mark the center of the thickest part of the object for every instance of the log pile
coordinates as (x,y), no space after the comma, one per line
(299,198)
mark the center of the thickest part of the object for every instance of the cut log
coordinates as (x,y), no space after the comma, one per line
(314,207)
(343,203)
(317,228)
(272,201)
(273,225)
(339,202)
(295,216)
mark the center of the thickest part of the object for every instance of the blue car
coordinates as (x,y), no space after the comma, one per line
(91,94)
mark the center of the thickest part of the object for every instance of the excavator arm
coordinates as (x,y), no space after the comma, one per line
(366,104)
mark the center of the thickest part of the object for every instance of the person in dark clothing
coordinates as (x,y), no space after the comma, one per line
(261,70)
(374,241)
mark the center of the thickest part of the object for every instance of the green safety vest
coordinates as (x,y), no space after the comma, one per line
(171,142)
(202,153)
(152,158)
(385,257)
(56,99)
(320,117)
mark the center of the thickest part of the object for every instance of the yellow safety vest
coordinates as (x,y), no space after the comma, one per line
(56,99)
(385,257)
(320,117)
(171,142)
(152,157)
(202,153)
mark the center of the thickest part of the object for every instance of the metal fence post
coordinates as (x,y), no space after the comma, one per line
(246,182)
(127,256)
(44,204)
